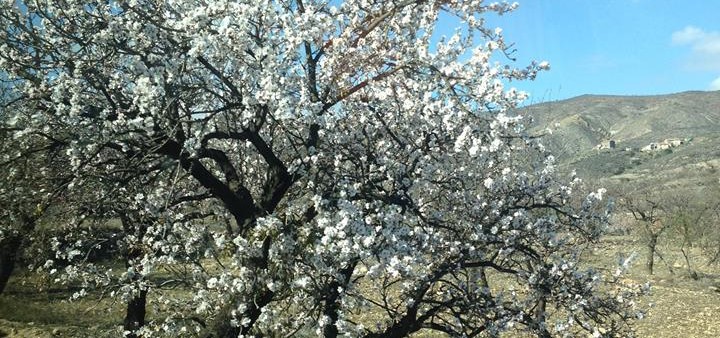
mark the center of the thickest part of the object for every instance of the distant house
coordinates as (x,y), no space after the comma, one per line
(673,142)
(606,145)
(665,144)
(650,147)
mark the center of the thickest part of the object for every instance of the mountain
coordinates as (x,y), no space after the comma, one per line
(663,141)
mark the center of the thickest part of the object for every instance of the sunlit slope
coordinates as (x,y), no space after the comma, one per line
(579,125)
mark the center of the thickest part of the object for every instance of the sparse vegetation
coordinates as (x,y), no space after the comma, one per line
(649,211)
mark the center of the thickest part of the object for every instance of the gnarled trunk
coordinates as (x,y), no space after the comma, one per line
(332,300)
(540,317)
(135,313)
(9,248)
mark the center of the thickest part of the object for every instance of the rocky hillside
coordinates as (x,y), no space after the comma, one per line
(665,140)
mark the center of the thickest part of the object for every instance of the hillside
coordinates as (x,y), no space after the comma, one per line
(682,129)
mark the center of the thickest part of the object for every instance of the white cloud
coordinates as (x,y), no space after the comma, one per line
(704,50)
(715,85)
(689,34)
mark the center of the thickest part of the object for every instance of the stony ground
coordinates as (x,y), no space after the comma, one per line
(678,305)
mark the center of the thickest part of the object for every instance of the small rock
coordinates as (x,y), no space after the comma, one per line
(56,332)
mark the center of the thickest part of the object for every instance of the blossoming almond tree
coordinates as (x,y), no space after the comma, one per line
(364,179)
(26,191)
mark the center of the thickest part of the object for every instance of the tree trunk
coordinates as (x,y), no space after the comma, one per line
(331,310)
(692,273)
(135,314)
(539,320)
(9,248)
(135,311)
(650,263)
(332,300)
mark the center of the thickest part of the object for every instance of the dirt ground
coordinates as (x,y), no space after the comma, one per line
(678,305)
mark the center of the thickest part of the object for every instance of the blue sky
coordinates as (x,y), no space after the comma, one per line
(620,47)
